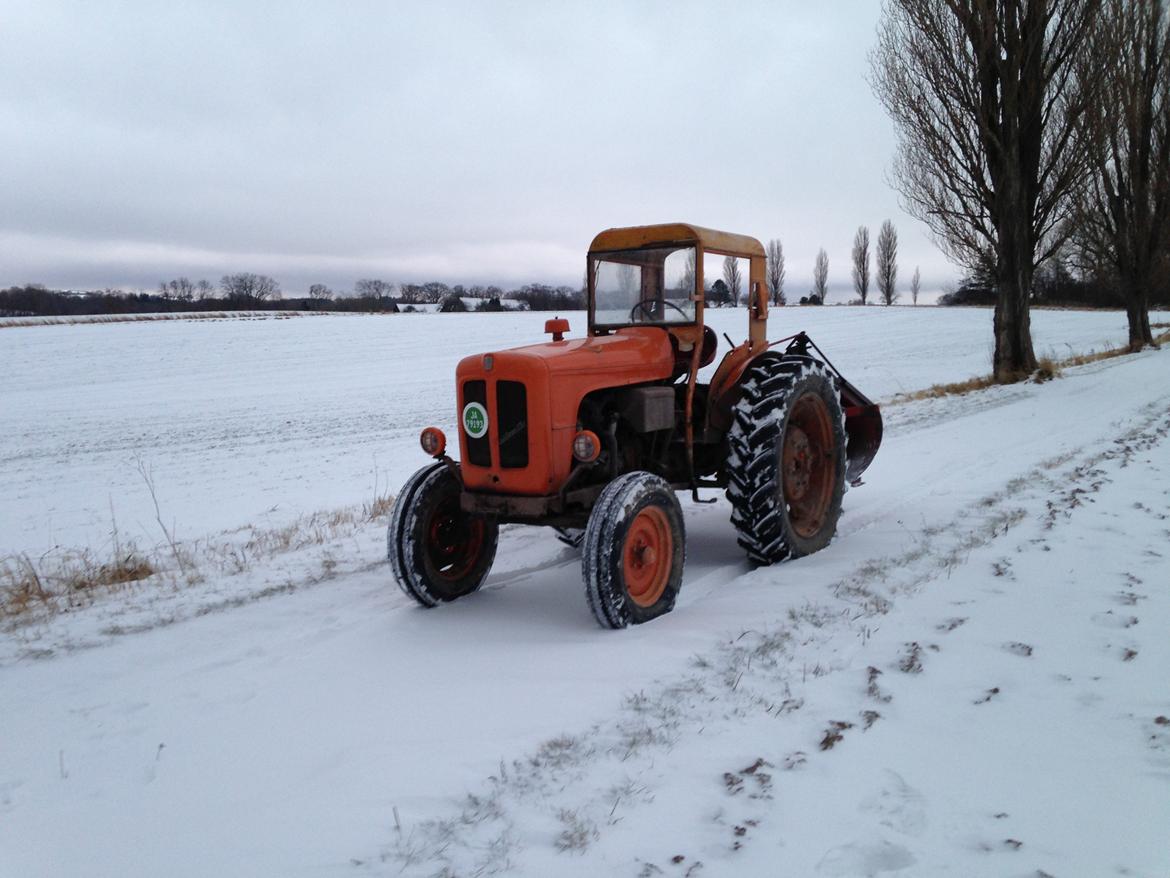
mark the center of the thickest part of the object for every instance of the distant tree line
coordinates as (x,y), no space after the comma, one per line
(256,293)
(1062,282)
(246,291)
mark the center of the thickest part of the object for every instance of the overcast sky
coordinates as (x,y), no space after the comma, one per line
(464,142)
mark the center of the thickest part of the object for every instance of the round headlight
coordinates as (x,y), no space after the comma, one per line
(433,441)
(586,446)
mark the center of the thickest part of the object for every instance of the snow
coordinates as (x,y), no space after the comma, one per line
(1004,570)
(261,421)
(132,317)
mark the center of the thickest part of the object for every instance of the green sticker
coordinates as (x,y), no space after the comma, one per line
(475,420)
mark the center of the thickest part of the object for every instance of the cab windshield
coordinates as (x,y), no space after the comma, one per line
(633,287)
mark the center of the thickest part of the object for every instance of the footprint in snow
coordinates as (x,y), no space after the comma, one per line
(1110,619)
(865,859)
(7,788)
(950,624)
(897,805)
(1016,648)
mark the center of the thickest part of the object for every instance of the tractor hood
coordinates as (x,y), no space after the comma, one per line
(525,403)
(629,356)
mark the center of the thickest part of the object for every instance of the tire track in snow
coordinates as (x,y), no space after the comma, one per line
(571,790)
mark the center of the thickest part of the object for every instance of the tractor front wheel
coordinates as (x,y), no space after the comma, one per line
(634,549)
(437,551)
(786,462)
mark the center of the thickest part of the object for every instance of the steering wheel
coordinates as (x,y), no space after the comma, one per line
(644,306)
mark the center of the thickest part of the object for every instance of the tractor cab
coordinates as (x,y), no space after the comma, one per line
(651,286)
(653,275)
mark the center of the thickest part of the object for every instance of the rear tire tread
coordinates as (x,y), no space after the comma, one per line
(754,477)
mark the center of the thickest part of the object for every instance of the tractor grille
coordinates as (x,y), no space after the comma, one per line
(479,450)
(512,424)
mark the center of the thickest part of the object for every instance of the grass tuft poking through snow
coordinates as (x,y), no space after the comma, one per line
(578,833)
(67,579)
(33,590)
(1047,368)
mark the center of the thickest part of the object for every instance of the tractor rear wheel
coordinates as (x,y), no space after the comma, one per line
(634,549)
(786,461)
(437,551)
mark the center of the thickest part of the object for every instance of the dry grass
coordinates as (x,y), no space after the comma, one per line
(955,388)
(1047,368)
(67,578)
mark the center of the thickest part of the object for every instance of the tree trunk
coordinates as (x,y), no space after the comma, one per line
(1014,357)
(1137,310)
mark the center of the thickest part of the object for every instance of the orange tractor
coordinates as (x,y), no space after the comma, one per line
(594,436)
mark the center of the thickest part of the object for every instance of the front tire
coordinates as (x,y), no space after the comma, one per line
(786,466)
(634,550)
(438,552)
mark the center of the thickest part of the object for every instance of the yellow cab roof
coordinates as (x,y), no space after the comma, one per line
(677,233)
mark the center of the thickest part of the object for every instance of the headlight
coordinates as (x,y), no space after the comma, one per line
(586,446)
(433,441)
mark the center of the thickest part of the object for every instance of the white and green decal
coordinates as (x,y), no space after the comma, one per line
(475,420)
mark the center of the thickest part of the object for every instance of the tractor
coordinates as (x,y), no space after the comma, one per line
(595,436)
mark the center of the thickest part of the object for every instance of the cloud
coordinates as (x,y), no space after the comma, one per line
(450,141)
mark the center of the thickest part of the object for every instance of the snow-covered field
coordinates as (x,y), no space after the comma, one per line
(255,422)
(971,680)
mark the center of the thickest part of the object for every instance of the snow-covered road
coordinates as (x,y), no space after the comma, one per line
(1009,552)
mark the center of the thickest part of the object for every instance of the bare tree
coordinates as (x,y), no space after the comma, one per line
(249,287)
(687,282)
(320,291)
(915,285)
(433,292)
(373,288)
(627,281)
(204,289)
(987,104)
(820,287)
(731,277)
(180,288)
(861,262)
(775,271)
(1123,217)
(887,262)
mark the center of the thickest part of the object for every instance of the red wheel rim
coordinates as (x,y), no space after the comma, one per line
(808,461)
(647,555)
(454,540)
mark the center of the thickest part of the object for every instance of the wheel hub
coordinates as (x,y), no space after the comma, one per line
(646,556)
(807,462)
(454,540)
(798,463)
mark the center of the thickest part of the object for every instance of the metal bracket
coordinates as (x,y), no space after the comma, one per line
(697,499)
